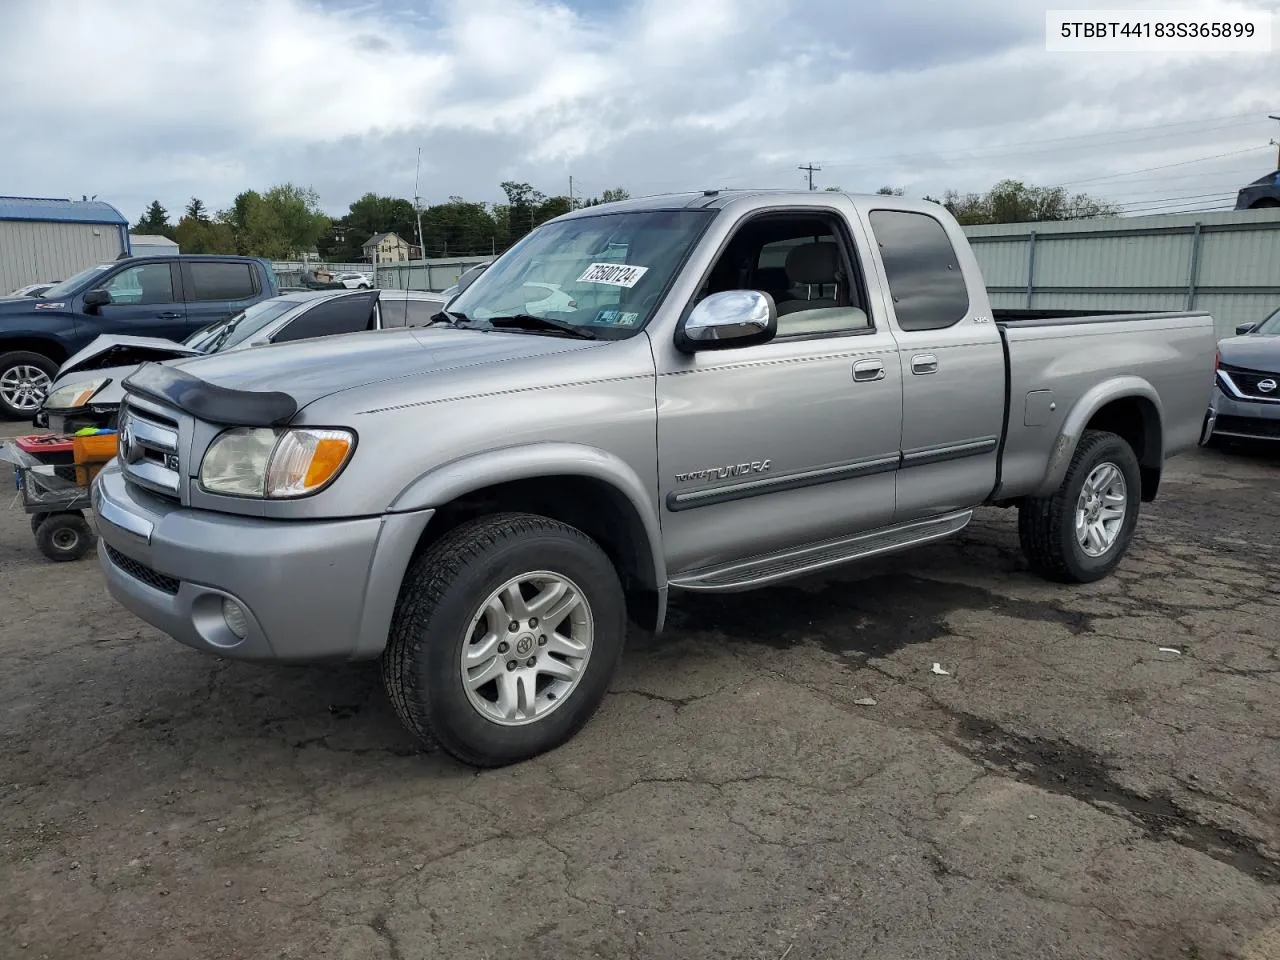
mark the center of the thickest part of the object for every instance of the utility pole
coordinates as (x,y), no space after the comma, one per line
(417,206)
(810,169)
(571,191)
(1275,143)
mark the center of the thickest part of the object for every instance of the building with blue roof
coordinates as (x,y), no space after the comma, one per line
(44,239)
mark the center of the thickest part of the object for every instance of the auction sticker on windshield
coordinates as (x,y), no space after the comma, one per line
(613,274)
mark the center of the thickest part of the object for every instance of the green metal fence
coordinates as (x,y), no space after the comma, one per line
(1227,263)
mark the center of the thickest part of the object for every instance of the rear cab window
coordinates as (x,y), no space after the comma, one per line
(923,271)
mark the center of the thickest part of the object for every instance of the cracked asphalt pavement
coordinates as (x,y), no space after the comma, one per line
(1096,774)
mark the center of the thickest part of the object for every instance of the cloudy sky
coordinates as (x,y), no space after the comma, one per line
(140,99)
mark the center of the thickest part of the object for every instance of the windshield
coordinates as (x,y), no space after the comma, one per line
(604,272)
(1270,326)
(67,287)
(215,338)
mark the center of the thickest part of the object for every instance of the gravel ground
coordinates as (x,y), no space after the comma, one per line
(781,776)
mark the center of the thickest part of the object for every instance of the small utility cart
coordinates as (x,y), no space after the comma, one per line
(52,474)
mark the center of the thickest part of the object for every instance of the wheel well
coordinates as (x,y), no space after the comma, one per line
(1264,202)
(592,506)
(47,348)
(1137,422)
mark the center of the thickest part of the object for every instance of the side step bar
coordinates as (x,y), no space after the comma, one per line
(783,565)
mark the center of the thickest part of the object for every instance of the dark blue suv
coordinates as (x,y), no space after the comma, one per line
(169,297)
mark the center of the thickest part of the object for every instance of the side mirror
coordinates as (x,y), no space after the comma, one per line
(733,318)
(96,298)
(1245,328)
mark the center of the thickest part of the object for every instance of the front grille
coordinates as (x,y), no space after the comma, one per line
(1247,427)
(140,571)
(1246,382)
(148,449)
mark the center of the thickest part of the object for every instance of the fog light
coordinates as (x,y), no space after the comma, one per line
(237,621)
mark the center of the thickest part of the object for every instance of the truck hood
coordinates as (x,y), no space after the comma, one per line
(10,306)
(1251,352)
(307,370)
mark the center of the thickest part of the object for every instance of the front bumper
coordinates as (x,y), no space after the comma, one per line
(309,591)
(1234,419)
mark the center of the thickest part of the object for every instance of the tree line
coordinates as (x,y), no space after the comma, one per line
(285,222)
(1012,201)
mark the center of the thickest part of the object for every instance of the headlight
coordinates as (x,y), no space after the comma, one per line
(74,395)
(275,464)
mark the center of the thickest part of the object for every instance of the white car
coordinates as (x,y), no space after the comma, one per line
(32,289)
(87,388)
(355,281)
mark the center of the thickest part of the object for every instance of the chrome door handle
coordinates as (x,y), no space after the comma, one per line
(169,315)
(925,363)
(865,370)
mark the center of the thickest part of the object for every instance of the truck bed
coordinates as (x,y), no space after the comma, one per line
(1061,364)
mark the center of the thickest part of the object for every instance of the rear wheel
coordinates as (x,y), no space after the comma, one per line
(24,379)
(506,635)
(1084,529)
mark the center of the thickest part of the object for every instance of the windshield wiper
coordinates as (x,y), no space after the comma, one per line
(527,321)
(452,319)
(215,342)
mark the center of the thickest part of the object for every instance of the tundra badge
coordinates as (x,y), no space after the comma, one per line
(723,473)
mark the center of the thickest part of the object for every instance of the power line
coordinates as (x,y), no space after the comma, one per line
(1000,153)
(1118,131)
(1164,166)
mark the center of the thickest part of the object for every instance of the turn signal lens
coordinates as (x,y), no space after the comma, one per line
(305,460)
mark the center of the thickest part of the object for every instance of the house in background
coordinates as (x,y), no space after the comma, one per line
(152,245)
(44,239)
(390,248)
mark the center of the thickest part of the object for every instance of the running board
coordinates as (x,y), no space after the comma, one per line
(772,567)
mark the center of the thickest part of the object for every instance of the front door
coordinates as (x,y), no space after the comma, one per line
(144,303)
(953,391)
(790,442)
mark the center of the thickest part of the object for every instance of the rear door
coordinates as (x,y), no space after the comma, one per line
(218,289)
(146,301)
(952,363)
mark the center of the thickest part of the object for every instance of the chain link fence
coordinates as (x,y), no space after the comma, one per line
(433,275)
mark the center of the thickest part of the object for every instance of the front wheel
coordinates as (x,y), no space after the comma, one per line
(506,635)
(1084,529)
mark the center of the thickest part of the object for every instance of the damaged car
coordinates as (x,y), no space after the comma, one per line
(87,389)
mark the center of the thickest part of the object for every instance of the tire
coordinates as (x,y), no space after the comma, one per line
(1047,525)
(22,375)
(451,583)
(64,537)
(36,520)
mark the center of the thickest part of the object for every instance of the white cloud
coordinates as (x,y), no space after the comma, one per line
(173,98)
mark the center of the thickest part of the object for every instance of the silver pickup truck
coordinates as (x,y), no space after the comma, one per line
(706,392)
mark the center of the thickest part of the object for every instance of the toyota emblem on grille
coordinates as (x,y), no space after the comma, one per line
(130,452)
(1266,386)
